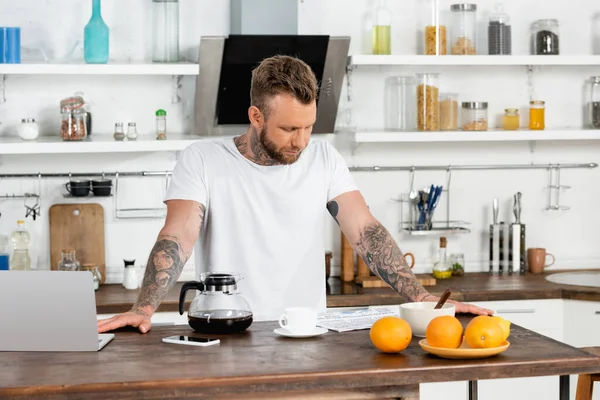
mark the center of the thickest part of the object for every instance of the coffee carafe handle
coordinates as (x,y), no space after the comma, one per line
(187,286)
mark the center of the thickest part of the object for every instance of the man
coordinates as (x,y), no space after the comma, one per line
(256,203)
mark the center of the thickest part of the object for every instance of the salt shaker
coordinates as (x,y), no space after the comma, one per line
(119,135)
(130,278)
(132,131)
(28,129)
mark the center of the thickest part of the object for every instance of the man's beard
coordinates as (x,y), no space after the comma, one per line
(274,153)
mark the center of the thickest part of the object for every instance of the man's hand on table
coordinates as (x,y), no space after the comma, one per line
(131,318)
(461,307)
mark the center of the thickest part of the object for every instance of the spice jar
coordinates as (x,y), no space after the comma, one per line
(537,115)
(119,134)
(499,33)
(464,27)
(545,37)
(28,129)
(511,121)
(73,124)
(161,124)
(474,116)
(428,102)
(97,276)
(132,131)
(434,33)
(448,111)
(593,103)
(399,103)
(68,261)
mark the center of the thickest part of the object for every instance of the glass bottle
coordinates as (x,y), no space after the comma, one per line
(20,259)
(382,29)
(545,38)
(165,30)
(132,131)
(442,268)
(119,134)
(4,257)
(592,119)
(499,33)
(448,111)
(434,33)
(464,28)
(511,120)
(95,37)
(399,106)
(97,276)
(537,115)
(68,262)
(161,124)
(428,98)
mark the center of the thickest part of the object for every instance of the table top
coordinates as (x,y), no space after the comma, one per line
(259,360)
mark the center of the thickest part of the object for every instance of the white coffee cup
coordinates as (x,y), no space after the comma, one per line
(299,320)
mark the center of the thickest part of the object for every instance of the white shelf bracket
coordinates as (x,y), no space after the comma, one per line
(349,70)
(2,89)
(175,95)
(532,145)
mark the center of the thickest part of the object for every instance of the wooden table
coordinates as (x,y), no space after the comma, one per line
(260,365)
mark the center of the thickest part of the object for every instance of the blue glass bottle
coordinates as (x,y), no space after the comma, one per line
(95,37)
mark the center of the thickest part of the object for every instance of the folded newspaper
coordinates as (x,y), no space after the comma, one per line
(345,321)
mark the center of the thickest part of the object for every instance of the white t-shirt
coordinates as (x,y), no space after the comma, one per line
(266,223)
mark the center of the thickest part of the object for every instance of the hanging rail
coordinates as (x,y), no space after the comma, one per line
(409,168)
(86,174)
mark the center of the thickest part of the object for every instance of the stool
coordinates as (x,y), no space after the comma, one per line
(585,382)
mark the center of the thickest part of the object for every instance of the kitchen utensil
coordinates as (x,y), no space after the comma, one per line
(464,351)
(219,308)
(419,315)
(101,187)
(442,299)
(517,207)
(80,227)
(495,265)
(517,239)
(79,187)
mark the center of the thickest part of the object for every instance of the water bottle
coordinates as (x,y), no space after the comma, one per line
(95,37)
(20,238)
(4,257)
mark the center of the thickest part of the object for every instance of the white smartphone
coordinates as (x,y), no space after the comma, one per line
(191,340)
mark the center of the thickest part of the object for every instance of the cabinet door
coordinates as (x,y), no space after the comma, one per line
(444,390)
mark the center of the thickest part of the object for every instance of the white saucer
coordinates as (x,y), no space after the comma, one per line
(284,332)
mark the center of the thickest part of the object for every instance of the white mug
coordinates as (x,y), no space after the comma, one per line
(299,320)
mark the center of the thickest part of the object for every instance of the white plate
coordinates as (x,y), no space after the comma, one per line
(284,332)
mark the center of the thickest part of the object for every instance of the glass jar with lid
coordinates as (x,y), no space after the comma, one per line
(73,125)
(97,277)
(464,29)
(537,115)
(499,33)
(68,262)
(434,31)
(545,38)
(511,120)
(428,102)
(165,31)
(448,111)
(474,116)
(399,107)
(593,103)
(382,29)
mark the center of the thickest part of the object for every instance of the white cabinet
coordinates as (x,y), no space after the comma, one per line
(542,316)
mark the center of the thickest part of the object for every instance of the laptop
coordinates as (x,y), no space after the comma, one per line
(49,311)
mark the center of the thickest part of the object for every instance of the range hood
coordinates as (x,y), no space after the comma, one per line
(226,64)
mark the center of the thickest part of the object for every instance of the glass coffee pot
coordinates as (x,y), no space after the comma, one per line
(219,308)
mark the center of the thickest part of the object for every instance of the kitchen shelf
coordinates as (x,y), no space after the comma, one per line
(476,136)
(172,69)
(482,60)
(97,143)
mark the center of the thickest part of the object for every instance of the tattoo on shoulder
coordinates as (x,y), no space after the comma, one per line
(333,209)
(164,266)
(381,253)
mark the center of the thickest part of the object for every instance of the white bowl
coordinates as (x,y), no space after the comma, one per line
(418,315)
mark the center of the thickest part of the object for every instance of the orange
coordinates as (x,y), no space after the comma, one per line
(504,324)
(484,332)
(390,334)
(444,331)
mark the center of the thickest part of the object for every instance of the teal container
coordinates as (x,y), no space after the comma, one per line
(95,37)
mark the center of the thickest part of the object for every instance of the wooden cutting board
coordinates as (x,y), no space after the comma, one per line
(375,282)
(80,227)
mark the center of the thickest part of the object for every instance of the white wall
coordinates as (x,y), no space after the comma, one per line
(570,235)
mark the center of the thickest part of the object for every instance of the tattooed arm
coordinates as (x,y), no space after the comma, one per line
(374,244)
(167,258)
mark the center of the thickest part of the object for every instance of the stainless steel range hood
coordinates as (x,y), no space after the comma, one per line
(226,62)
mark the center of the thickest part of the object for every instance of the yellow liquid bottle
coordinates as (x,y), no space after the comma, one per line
(382,30)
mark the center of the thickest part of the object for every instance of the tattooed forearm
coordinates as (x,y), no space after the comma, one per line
(333,209)
(380,252)
(164,267)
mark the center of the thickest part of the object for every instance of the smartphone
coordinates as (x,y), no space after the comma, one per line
(191,340)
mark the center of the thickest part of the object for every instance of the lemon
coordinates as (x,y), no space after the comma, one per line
(504,324)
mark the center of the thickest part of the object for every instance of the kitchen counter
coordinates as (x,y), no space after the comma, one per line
(258,364)
(112,299)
